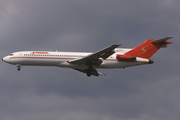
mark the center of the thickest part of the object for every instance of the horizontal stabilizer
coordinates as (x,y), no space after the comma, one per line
(162,40)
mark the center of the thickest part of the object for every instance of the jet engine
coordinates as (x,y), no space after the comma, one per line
(125,57)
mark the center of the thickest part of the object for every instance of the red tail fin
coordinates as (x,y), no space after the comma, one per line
(148,48)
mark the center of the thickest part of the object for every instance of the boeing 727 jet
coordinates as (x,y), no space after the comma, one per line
(110,57)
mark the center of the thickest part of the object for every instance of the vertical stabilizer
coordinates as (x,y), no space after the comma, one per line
(149,47)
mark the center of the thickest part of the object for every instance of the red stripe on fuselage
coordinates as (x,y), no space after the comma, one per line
(39,58)
(56,58)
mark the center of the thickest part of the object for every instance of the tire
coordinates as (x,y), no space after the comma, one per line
(18,68)
(88,74)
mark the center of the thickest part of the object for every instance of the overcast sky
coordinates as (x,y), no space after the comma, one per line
(147,92)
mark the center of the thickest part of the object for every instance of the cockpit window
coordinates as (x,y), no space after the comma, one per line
(11,54)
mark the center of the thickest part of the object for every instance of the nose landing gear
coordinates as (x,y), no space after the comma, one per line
(18,67)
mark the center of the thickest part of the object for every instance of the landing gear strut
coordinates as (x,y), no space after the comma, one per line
(18,67)
(89,71)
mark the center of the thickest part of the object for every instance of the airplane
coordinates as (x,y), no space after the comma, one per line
(109,57)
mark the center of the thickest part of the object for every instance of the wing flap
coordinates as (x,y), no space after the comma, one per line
(93,72)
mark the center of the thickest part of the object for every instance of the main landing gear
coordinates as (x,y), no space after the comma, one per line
(89,71)
(18,67)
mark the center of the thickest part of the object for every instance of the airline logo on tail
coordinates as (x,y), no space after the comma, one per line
(143,49)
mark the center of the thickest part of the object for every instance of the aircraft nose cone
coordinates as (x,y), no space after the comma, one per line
(5,59)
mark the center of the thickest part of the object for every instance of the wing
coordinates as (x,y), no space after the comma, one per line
(93,59)
(93,72)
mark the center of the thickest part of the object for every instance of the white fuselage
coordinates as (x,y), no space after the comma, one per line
(109,57)
(60,59)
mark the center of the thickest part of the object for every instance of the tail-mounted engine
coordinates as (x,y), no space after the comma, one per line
(132,58)
(125,57)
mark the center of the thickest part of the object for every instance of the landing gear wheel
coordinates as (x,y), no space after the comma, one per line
(90,69)
(88,74)
(19,68)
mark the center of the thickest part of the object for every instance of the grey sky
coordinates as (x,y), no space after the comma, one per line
(41,93)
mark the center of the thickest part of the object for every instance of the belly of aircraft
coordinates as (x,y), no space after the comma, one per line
(119,64)
(37,62)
